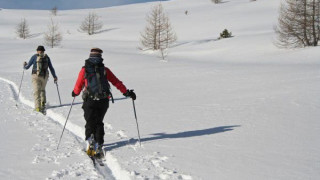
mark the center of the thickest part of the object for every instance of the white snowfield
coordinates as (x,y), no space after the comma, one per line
(64,5)
(237,108)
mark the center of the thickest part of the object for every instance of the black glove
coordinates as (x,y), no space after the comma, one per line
(73,94)
(131,94)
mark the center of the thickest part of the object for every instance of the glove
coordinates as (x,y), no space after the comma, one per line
(131,94)
(55,80)
(25,64)
(73,94)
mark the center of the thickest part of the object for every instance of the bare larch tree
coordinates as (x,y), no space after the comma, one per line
(91,24)
(22,29)
(158,34)
(53,37)
(170,36)
(298,24)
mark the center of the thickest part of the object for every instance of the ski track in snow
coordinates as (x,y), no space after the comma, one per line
(47,151)
(150,166)
(44,151)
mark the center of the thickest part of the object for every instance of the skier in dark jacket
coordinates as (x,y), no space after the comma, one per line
(40,74)
(94,78)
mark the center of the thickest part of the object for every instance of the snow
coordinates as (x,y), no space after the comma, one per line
(65,4)
(29,144)
(237,108)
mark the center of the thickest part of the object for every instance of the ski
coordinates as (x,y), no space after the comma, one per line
(44,112)
(93,160)
(97,157)
(100,161)
(96,161)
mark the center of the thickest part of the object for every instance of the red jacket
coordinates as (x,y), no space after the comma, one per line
(81,81)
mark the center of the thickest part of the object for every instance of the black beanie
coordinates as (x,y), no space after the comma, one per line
(40,48)
(98,50)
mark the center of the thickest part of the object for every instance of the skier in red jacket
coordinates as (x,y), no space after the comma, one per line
(94,77)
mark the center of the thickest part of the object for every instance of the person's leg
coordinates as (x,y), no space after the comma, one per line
(102,109)
(99,135)
(89,116)
(36,92)
(43,91)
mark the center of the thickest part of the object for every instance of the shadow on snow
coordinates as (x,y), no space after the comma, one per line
(158,136)
(106,30)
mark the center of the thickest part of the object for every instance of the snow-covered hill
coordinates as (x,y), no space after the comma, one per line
(65,4)
(237,108)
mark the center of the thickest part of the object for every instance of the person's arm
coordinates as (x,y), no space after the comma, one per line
(31,62)
(53,72)
(115,81)
(80,83)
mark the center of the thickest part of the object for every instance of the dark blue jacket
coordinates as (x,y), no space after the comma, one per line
(33,61)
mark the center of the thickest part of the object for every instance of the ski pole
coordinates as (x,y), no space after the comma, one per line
(20,87)
(58,91)
(65,122)
(135,115)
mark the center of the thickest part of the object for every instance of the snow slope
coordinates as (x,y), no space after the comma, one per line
(65,4)
(237,108)
(29,145)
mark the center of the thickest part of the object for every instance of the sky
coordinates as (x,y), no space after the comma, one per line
(64,4)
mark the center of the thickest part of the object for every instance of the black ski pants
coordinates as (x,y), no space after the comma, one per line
(94,112)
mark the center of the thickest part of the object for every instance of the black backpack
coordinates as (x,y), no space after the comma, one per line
(43,63)
(98,86)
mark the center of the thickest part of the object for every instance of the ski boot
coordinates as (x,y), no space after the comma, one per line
(99,151)
(37,109)
(43,109)
(91,146)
